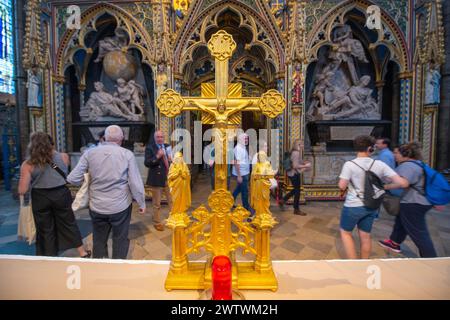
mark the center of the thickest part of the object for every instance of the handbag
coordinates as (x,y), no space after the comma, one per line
(82,197)
(26,229)
(391,204)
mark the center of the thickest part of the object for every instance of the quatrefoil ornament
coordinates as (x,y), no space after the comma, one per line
(221,45)
(170,103)
(272,103)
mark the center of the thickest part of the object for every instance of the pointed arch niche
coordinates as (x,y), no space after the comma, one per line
(77,72)
(387,56)
(257,61)
(387,62)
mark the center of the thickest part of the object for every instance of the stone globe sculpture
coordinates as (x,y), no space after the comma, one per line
(118,64)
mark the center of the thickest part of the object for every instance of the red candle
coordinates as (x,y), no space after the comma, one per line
(221,278)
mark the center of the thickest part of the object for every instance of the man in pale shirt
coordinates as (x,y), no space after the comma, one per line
(241,170)
(114,182)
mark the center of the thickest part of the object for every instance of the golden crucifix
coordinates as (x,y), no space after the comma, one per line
(221,104)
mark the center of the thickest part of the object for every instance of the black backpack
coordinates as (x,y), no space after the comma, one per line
(373,188)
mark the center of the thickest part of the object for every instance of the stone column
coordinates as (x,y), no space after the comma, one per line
(405,107)
(280,121)
(296,109)
(60,126)
(443,132)
(395,110)
(21,90)
(179,120)
(162,76)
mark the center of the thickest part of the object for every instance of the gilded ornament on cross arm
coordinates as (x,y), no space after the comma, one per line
(170,103)
(272,103)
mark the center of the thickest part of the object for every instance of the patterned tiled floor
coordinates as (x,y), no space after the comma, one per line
(311,237)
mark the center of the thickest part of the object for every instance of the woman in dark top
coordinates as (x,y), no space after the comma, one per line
(294,174)
(51,201)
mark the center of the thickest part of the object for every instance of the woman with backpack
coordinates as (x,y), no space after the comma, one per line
(45,171)
(414,205)
(294,174)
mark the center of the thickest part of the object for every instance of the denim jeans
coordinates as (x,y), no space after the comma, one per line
(242,188)
(295,180)
(411,221)
(102,225)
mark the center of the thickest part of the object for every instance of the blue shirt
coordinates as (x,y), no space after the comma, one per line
(114,178)
(385,155)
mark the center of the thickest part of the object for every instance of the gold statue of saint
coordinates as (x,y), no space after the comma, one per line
(179,181)
(260,184)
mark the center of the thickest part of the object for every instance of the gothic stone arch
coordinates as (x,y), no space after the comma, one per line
(390,35)
(73,40)
(192,34)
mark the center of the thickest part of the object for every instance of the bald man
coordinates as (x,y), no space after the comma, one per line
(157,159)
(114,181)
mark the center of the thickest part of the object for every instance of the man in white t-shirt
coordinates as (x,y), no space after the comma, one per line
(352,179)
(241,170)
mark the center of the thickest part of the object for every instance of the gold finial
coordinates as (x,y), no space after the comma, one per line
(221,45)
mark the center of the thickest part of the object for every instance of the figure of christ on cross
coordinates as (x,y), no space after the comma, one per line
(221,110)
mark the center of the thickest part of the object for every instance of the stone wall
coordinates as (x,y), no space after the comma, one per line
(443,143)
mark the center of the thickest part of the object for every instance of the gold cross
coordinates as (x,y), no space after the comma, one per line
(222,106)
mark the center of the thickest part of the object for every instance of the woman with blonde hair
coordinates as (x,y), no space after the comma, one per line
(294,174)
(45,172)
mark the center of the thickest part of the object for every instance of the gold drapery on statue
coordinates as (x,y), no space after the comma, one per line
(179,181)
(260,184)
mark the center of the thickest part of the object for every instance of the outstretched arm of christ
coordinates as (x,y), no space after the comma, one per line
(239,107)
(201,107)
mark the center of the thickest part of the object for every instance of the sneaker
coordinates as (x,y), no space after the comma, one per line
(389,244)
(159,227)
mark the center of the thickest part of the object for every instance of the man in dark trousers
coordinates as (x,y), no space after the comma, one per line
(157,159)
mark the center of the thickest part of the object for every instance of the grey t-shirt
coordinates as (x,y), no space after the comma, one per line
(414,174)
(47,177)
